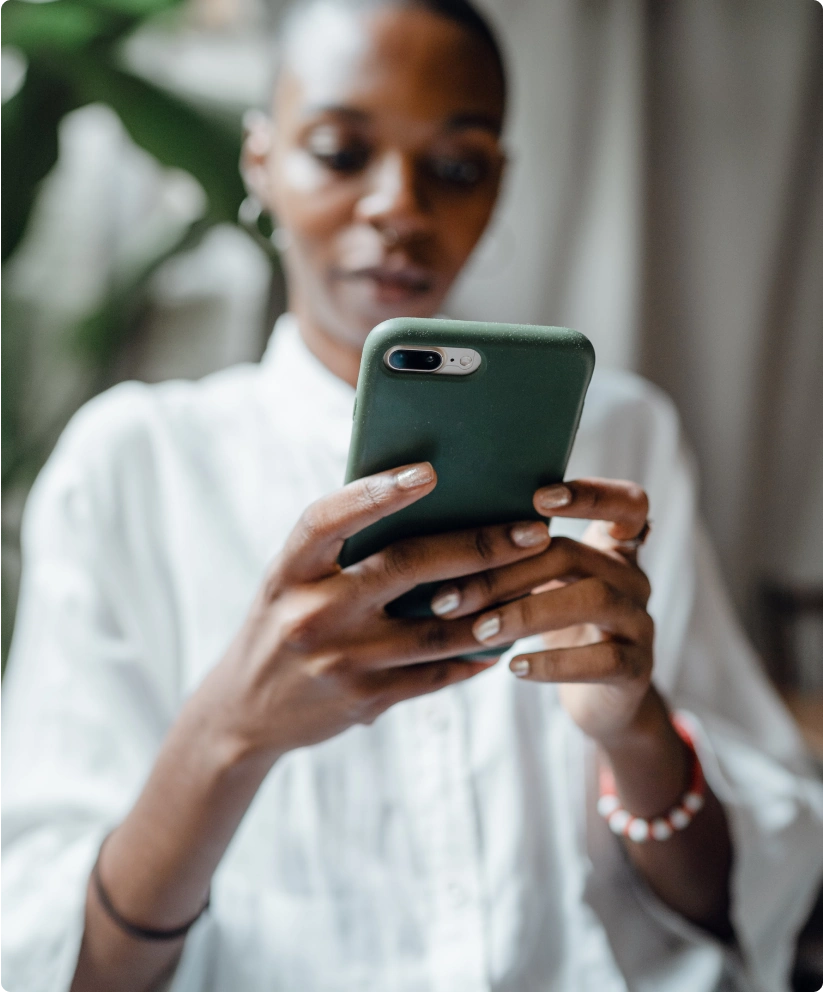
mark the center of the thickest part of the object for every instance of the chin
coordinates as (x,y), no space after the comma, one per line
(368,313)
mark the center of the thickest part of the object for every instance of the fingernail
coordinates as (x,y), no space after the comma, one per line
(447,600)
(486,628)
(529,535)
(520,667)
(417,475)
(553,497)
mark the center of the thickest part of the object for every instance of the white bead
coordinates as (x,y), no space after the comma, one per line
(680,818)
(607,804)
(693,802)
(638,830)
(660,829)
(619,820)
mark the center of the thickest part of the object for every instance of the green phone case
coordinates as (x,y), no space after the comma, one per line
(494,436)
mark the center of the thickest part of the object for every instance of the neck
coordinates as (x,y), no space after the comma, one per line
(339,358)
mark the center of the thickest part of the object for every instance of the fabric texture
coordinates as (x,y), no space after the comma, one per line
(453,844)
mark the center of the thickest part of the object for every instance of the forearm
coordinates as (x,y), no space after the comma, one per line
(689,871)
(157,864)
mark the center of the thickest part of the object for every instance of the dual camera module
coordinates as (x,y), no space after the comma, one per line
(414,360)
(440,361)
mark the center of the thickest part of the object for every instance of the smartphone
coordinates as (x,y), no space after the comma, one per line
(493,407)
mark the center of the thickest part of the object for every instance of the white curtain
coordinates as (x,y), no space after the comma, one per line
(665,196)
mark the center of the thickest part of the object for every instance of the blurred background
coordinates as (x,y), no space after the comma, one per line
(665,197)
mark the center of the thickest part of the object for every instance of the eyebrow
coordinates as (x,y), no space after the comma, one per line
(457,122)
(465,121)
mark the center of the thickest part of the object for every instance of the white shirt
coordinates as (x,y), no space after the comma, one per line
(452,846)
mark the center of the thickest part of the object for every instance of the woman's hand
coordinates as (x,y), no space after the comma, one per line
(318,652)
(588,600)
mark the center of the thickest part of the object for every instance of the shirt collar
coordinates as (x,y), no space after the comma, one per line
(303,388)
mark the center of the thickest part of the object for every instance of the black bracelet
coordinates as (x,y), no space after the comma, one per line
(132,929)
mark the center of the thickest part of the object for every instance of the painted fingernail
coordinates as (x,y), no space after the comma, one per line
(529,535)
(553,497)
(447,600)
(417,475)
(520,667)
(486,628)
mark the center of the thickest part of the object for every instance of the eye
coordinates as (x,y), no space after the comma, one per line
(336,151)
(456,171)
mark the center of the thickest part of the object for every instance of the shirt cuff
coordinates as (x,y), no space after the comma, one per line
(775,818)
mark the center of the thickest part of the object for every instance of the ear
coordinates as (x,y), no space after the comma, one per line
(258,140)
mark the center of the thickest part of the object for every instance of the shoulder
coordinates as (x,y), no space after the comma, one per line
(117,445)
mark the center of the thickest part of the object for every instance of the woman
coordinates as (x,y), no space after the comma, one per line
(334,801)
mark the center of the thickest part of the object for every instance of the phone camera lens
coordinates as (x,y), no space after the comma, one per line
(415,360)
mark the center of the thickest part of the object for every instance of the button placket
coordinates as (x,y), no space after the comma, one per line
(447,835)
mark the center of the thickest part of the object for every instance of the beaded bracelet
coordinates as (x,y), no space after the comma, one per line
(133,929)
(636,828)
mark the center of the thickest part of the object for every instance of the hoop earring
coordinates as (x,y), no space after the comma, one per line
(257,222)
(281,239)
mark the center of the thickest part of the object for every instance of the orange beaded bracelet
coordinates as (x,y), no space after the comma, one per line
(636,828)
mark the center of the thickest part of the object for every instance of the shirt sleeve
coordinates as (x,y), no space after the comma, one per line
(755,763)
(752,753)
(90,686)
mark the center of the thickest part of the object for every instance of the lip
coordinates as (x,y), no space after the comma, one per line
(393,282)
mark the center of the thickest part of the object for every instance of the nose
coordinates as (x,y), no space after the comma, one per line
(394,201)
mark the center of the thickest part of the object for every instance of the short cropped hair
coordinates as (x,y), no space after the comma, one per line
(461,12)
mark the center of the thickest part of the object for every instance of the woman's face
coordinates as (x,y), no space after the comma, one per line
(383,162)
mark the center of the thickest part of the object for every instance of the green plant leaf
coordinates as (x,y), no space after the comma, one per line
(29,128)
(177,134)
(100,335)
(62,25)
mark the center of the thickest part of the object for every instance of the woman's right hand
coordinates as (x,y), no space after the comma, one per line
(318,653)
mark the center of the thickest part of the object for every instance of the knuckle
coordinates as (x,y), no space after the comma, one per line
(637,494)
(614,657)
(600,594)
(483,544)
(435,637)
(336,665)
(272,582)
(487,582)
(524,613)
(311,525)
(645,587)
(440,674)
(566,552)
(301,621)
(647,628)
(370,494)
(400,560)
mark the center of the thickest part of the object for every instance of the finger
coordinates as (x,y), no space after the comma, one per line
(564,559)
(407,563)
(608,661)
(313,546)
(397,684)
(624,504)
(588,601)
(400,642)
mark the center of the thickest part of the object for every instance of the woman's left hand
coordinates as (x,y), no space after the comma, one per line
(587,598)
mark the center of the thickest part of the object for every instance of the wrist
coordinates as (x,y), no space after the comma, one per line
(650,762)
(649,723)
(222,752)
